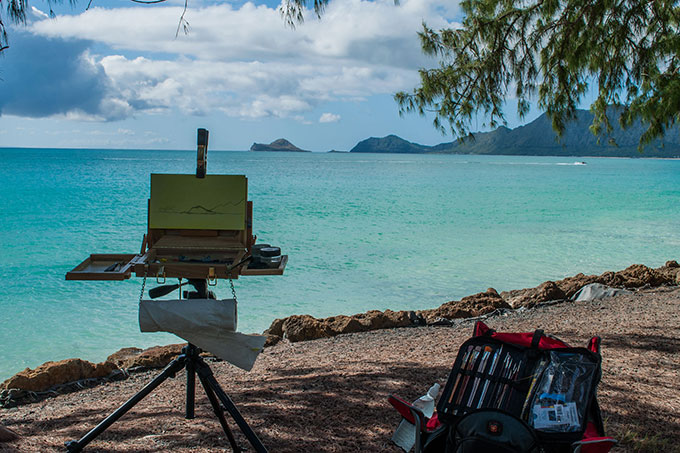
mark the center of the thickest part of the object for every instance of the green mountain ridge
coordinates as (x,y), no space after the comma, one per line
(538,139)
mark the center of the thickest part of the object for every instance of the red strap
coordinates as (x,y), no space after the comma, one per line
(481,329)
(594,344)
(433,423)
(520,339)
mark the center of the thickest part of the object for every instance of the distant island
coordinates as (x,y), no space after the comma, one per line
(278,145)
(538,139)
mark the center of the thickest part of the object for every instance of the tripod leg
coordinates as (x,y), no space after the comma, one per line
(169,371)
(220,414)
(191,381)
(206,376)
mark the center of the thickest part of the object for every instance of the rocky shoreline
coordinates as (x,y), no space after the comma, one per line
(54,378)
(304,327)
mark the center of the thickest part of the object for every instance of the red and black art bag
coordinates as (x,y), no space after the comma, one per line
(537,379)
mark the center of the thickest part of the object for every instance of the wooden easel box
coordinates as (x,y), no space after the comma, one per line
(182,252)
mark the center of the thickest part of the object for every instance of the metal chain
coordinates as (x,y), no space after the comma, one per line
(141,294)
(233,291)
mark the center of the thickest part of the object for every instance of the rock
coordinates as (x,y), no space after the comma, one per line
(304,327)
(272,340)
(50,374)
(475,305)
(671,272)
(155,357)
(531,297)
(571,285)
(276,328)
(445,311)
(481,303)
(635,276)
(121,357)
(7,435)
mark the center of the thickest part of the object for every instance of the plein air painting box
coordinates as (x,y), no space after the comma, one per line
(197,228)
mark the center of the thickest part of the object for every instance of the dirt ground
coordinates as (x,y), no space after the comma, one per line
(330,395)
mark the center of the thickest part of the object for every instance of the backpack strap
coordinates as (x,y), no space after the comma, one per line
(481,330)
(536,339)
(594,344)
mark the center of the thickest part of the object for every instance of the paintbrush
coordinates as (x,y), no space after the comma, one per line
(463,362)
(473,359)
(498,388)
(494,363)
(514,372)
(479,369)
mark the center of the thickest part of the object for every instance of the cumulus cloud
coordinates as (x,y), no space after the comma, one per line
(329,118)
(49,76)
(240,61)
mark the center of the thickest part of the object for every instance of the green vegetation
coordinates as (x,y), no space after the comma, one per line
(554,49)
(538,139)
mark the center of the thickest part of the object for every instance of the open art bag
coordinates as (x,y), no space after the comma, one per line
(516,393)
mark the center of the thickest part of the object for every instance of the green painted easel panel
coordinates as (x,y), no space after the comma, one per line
(185,202)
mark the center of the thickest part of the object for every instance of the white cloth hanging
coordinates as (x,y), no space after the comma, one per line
(207,323)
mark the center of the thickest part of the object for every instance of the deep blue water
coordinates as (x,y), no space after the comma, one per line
(362,232)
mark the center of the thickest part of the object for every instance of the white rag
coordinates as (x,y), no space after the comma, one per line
(207,323)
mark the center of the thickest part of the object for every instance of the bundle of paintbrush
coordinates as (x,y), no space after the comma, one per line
(484,376)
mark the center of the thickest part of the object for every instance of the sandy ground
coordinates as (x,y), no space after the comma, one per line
(330,395)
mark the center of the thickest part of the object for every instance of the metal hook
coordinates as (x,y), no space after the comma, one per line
(212,278)
(161,271)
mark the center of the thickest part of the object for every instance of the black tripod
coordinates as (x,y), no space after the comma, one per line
(195,365)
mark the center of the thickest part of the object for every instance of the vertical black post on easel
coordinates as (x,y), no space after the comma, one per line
(201,287)
(192,351)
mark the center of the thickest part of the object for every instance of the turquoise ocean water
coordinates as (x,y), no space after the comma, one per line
(362,231)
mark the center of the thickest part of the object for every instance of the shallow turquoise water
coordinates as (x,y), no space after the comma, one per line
(362,231)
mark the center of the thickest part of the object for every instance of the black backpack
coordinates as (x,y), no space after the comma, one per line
(491,431)
(523,393)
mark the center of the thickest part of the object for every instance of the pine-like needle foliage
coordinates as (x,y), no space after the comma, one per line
(550,51)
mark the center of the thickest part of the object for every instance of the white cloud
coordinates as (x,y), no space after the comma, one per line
(246,63)
(329,118)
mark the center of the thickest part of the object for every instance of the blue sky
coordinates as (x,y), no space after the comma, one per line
(115,76)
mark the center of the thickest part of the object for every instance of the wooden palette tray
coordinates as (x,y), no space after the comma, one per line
(112,266)
(267,271)
(120,267)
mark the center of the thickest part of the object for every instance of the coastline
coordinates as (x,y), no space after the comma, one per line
(329,395)
(31,385)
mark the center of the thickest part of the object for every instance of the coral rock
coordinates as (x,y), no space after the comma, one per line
(530,297)
(475,305)
(635,276)
(305,327)
(123,356)
(155,357)
(571,285)
(50,374)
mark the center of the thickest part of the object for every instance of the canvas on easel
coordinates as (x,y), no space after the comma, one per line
(184,202)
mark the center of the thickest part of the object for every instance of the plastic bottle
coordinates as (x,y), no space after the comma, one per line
(426,402)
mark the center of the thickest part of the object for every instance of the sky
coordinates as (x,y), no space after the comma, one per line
(117,76)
